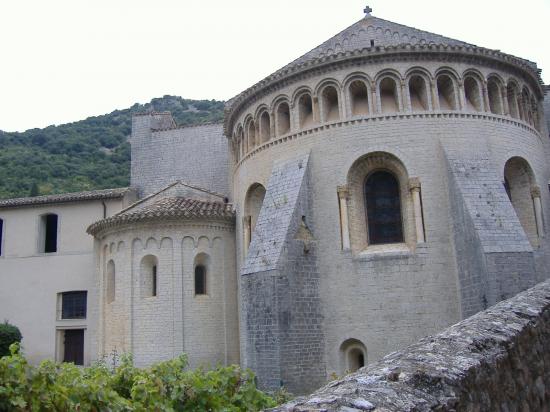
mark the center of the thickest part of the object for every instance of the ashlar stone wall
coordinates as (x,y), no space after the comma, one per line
(496,360)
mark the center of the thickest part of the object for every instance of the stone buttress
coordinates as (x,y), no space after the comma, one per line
(282,320)
(495,260)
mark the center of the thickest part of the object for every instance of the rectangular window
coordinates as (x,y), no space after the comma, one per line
(50,233)
(73,346)
(154,281)
(73,305)
(1,235)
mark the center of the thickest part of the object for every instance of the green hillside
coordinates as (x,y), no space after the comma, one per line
(88,154)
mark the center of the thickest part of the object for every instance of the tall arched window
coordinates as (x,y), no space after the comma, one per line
(472,93)
(359,97)
(110,280)
(202,262)
(251,132)
(446,92)
(149,276)
(383,204)
(254,200)
(331,109)
(283,119)
(418,93)
(512,96)
(388,96)
(265,127)
(305,110)
(495,96)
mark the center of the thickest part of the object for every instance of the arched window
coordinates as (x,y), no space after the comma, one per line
(305,110)
(331,111)
(252,206)
(283,119)
(251,132)
(473,94)
(110,280)
(418,93)
(383,204)
(495,96)
(388,96)
(353,355)
(359,96)
(446,92)
(48,241)
(265,127)
(149,276)
(202,262)
(519,180)
(512,96)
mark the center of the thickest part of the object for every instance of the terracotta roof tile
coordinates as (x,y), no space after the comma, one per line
(65,197)
(168,208)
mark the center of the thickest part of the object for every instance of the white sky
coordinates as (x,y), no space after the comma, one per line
(65,60)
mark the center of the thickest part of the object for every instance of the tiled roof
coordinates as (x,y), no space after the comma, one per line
(65,197)
(168,208)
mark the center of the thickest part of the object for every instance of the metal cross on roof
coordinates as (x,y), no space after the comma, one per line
(367,11)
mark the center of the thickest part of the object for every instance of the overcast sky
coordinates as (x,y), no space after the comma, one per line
(65,60)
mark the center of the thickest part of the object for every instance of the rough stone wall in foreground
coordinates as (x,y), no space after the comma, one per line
(498,359)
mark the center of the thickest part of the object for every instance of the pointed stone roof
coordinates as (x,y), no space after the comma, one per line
(369,38)
(373,32)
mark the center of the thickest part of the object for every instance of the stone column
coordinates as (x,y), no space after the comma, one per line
(247,226)
(485,95)
(461,96)
(414,187)
(435,96)
(404,103)
(375,101)
(343,195)
(316,113)
(504,97)
(535,194)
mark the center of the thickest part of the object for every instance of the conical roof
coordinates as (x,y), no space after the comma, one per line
(372,32)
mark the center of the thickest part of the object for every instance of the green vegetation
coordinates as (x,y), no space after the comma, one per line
(88,154)
(165,386)
(8,334)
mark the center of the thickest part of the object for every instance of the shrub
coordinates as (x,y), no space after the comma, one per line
(8,334)
(165,386)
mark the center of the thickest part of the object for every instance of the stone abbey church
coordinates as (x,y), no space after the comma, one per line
(388,183)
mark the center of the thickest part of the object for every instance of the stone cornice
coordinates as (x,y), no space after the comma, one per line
(390,117)
(154,224)
(378,54)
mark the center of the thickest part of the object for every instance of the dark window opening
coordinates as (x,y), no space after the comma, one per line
(73,346)
(1,234)
(73,305)
(383,208)
(361,360)
(154,286)
(200,280)
(50,233)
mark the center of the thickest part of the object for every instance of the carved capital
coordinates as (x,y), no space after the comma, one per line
(535,192)
(414,184)
(343,192)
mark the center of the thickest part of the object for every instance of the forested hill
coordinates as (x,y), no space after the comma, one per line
(88,154)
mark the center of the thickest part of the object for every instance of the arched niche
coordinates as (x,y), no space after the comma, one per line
(353,355)
(149,276)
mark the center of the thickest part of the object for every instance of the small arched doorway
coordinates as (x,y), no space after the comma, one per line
(353,355)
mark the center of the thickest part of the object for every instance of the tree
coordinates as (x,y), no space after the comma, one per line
(8,334)
(34,190)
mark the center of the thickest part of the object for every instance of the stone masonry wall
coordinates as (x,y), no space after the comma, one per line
(196,155)
(498,359)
